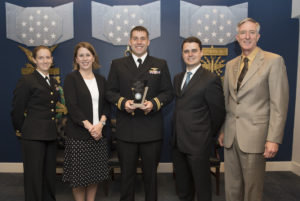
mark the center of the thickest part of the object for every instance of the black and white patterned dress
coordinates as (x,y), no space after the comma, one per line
(86,162)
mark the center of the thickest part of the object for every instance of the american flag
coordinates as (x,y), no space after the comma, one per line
(113,23)
(214,25)
(33,26)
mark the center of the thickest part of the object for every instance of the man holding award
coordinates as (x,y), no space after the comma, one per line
(139,85)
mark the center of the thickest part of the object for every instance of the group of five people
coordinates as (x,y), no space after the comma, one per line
(248,113)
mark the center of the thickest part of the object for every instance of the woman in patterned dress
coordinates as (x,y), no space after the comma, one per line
(86,153)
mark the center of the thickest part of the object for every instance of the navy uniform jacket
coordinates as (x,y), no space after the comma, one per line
(80,106)
(34,96)
(139,127)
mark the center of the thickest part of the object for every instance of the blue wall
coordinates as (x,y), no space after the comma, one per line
(279,34)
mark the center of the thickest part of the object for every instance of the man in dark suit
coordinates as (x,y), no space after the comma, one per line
(199,113)
(139,129)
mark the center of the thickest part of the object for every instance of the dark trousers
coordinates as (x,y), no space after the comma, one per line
(39,162)
(129,154)
(192,175)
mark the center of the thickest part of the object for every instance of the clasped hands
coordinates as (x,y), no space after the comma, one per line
(94,130)
(147,106)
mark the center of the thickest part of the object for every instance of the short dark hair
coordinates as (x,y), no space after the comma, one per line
(91,48)
(139,28)
(37,48)
(192,39)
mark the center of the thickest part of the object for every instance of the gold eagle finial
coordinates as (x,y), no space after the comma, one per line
(28,53)
(30,66)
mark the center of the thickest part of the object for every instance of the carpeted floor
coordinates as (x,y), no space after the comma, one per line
(279,186)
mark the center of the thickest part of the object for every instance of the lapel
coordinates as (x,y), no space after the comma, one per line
(42,80)
(235,72)
(140,71)
(145,66)
(83,84)
(178,83)
(53,83)
(255,65)
(130,65)
(100,88)
(193,81)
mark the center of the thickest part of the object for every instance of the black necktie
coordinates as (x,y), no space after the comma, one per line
(140,62)
(47,80)
(187,79)
(243,73)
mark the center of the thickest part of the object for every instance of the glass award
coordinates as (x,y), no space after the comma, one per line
(139,91)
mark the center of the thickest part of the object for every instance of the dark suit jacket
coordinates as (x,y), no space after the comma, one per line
(34,96)
(139,127)
(79,104)
(199,111)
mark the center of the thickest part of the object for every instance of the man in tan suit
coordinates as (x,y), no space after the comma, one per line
(256,100)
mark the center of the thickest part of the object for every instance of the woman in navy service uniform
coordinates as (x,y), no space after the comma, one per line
(36,95)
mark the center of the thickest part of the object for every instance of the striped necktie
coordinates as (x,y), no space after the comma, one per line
(243,73)
(187,80)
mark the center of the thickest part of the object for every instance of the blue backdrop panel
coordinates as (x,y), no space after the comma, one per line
(279,34)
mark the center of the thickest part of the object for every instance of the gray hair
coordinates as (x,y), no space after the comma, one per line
(248,20)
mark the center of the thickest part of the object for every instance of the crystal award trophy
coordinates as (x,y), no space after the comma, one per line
(139,91)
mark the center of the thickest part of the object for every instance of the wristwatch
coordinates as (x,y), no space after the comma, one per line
(103,123)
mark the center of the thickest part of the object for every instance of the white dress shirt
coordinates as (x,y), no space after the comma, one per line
(135,58)
(193,71)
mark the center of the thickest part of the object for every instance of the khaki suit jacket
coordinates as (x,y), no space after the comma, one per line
(257,112)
